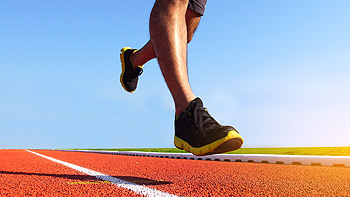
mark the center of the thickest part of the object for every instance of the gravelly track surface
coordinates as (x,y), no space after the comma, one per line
(23,173)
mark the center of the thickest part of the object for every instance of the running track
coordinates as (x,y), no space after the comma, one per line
(24,173)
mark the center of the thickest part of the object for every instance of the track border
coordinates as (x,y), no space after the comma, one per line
(308,160)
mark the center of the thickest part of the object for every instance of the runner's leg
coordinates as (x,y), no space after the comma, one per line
(146,53)
(169,39)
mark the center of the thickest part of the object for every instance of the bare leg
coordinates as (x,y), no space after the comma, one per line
(169,38)
(146,53)
(142,56)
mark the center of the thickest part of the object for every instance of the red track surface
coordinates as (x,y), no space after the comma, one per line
(23,173)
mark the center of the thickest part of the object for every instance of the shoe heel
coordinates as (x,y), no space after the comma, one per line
(124,49)
(122,54)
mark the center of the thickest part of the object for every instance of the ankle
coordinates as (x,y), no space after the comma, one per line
(179,110)
(180,107)
(133,59)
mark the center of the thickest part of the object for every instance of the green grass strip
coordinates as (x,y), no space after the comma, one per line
(330,151)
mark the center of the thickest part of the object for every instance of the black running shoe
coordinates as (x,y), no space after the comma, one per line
(130,75)
(196,131)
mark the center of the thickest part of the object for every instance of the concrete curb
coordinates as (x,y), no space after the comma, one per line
(335,161)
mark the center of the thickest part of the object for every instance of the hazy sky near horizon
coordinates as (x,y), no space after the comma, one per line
(276,70)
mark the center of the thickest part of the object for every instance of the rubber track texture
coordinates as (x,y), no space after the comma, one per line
(139,189)
(25,174)
(215,178)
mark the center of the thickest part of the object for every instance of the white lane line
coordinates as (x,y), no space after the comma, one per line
(118,182)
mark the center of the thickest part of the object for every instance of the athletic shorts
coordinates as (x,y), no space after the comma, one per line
(197,6)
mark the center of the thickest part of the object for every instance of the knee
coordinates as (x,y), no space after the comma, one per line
(177,2)
(172,3)
(189,36)
(192,22)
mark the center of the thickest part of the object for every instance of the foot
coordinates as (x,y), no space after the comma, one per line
(130,74)
(196,131)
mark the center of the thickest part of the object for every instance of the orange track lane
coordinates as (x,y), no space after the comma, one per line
(25,174)
(180,177)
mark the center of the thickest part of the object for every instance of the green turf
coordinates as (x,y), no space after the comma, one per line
(331,151)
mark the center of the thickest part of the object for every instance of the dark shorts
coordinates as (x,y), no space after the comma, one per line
(197,6)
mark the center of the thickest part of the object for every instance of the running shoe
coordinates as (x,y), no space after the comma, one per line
(196,131)
(130,75)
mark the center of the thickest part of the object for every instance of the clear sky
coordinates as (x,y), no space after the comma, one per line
(278,71)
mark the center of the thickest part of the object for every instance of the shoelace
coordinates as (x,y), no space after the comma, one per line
(203,121)
(137,72)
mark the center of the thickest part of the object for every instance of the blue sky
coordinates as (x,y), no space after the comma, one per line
(276,70)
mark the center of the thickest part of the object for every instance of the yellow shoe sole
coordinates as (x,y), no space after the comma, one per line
(123,67)
(232,141)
